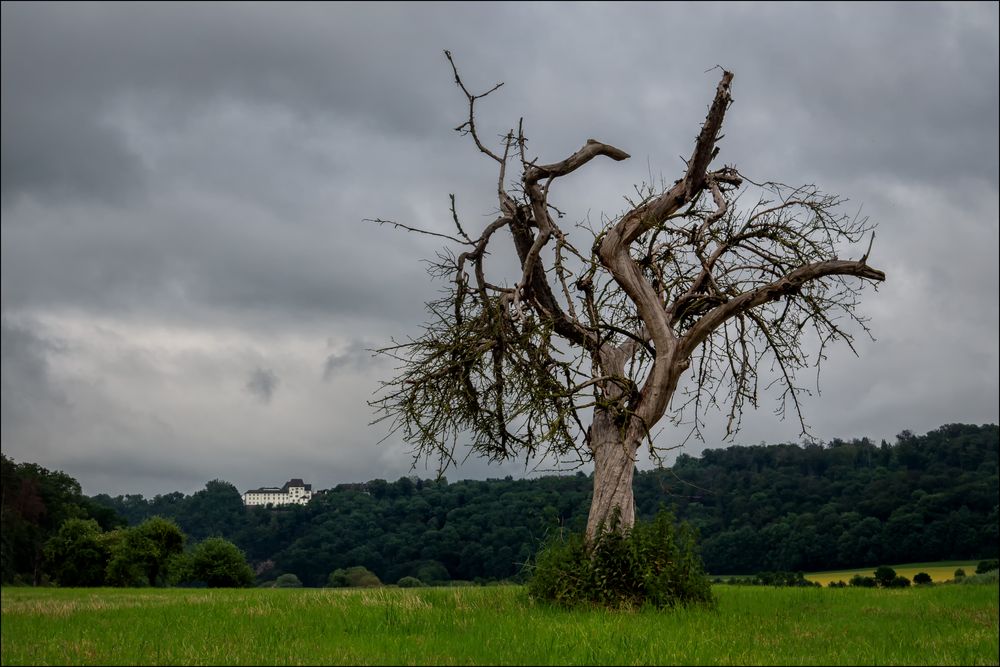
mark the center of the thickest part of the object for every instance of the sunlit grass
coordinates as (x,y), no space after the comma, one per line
(495,625)
(939,572)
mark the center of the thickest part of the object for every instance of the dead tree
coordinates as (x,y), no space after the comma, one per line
(699,285)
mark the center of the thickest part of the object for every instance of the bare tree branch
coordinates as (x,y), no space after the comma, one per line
(687,278)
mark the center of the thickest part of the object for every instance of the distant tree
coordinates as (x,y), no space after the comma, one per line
(357,576)
(141,555)
(959,574)
(33,506)
(409,582)
(687,287)
(128,553)
(432,572)
(76,555)
(899,581)
(884,575)
(213,511)
(987,565)
(863,582)
(220,564)
(921,578)
(287,580)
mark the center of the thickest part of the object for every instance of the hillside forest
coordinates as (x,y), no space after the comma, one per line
(783,507)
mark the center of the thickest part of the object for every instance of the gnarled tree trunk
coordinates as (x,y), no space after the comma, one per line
(614,467)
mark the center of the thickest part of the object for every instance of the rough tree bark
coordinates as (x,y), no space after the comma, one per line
(683,281)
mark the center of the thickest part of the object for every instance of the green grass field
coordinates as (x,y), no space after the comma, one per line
(939,571)
(940,625)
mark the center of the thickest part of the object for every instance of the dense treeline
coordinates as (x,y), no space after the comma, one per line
(757,508)
(848,504)
(432,530)
(35,504)
(52,533)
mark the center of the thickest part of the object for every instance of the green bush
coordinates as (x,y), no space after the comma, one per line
(775,579)
(836,584)
(990,577)
(357,576)
(287,581)
(987,565)
(863,582)
(921,578)
(220,564)
(898,581)
(77,555)
(409,582)
(654,564)
(141,555)
(959,574)
(884,576)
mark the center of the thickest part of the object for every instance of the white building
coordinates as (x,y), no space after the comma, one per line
(294,492)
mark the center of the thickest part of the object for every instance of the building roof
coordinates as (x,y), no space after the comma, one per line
(295,481)
(282,489)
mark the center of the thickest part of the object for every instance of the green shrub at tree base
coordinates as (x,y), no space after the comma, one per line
(921,578)
(652,564)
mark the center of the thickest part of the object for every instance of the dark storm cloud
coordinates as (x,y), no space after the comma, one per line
(28,393)
(880,92)
(66,64)
(263,383)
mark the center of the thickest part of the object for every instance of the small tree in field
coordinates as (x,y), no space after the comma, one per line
(288,580)
(884,575)
(710,281)
(220,564)
(358,576)
(76,555)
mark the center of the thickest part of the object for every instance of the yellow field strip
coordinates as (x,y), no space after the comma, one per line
(938,573)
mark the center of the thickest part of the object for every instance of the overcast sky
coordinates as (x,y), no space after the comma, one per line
(189,288)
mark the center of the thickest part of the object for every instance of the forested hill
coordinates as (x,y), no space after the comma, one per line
(767,507)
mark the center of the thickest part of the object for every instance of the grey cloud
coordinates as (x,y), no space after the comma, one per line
(54,152)
(356,355)
(66,64)
(263,383)
(29,395)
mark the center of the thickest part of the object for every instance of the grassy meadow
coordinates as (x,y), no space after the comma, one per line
(938,625)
